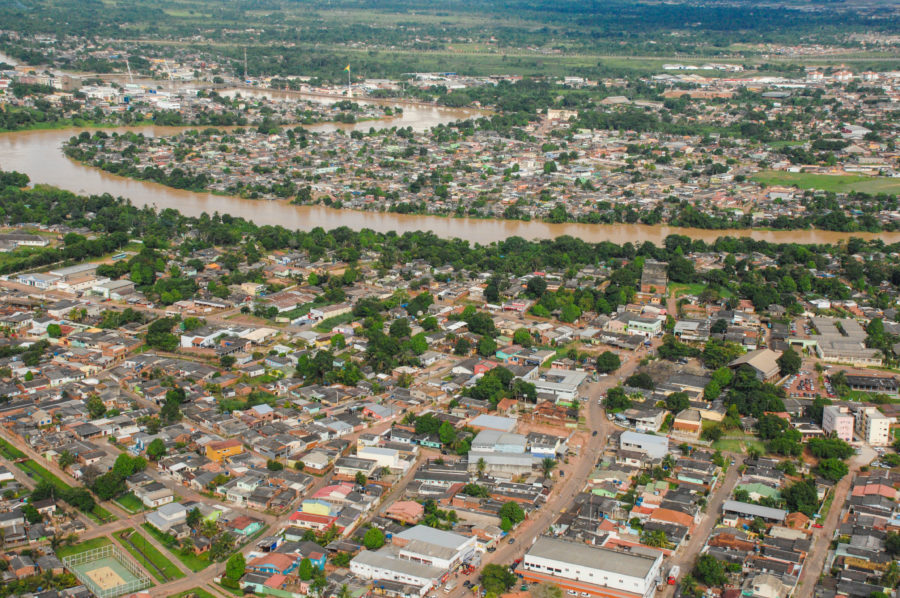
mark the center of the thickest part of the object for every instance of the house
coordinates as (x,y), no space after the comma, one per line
(154,494)
(222,449)
(272,563)
(244,526)
(167,516)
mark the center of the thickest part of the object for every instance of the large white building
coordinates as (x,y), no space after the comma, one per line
(592,570)
(419,557)
(655,447)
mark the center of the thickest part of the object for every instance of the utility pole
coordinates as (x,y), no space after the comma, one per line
(245,64)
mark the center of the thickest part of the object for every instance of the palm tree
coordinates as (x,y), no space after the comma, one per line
(482,465)
(344,592)
(547,465)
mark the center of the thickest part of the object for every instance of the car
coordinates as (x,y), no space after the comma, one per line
(571,592)
(512,541)
(492,549)
(594,433)
(467,583)
(818,525)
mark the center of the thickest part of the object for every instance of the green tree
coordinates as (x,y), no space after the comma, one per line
(54,331)
(235,567)
(497,579)
(373,538)
(608,362)
(522,337)
(95,407)
(709,571)
(789,362)
(832,469)
(513,511)
(487,346)
(655,538)
(156,449)
(305,570)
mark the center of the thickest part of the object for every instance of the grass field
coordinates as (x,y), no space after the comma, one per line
(167,567)
(9,451)
(826,182)
(41,474)
(328,324)
(198,592)
(130,503)
(64,551)
(739,445)
(191,561)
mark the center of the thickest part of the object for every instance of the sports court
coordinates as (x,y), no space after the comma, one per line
(107,571)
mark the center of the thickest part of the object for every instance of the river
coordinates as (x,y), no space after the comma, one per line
(38,154)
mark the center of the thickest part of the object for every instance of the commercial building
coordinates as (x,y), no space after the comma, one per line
(563,384)
(591,570)
(846,344)
(733,510)
(839,421)
(655,447)
(763,361)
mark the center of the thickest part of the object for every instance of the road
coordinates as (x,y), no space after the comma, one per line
(568,486)
(815,559)
(685,556)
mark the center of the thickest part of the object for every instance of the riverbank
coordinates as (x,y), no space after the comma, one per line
(38,154)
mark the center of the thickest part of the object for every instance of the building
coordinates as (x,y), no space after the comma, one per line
(839,421)
(167,516)
(654,278)
(655,447)
(733,510)
(563,384)
(222,449)
(493,422)
(385,565)
(763,361)
(591,570)
(873,426)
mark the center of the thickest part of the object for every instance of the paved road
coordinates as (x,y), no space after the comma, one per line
(685,556)
(815,560)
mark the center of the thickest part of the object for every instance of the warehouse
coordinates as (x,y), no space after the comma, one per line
(592,570)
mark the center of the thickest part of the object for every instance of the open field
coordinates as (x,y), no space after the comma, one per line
(64,551)
(198,592)
(159,566)
(191,561)
(827,182)
(130,503)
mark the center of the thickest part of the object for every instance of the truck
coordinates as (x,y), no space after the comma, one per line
(673,575)
(451,585)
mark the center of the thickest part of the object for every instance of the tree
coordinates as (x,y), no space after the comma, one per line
(194,517)
(95,407)
(447,433)
(616,399)
(234,568)
(640,380)
(360,478)
(227,361)
(481,466)
(536,287)
(487,346)
(65,459)
(547,465)
(54,331)
(829,448)
(305,570)
(273,465)
(789,363)
(709,571)
(373,539)
(802,497)
(655,538)
(497,579)
(156,449)
(462,346)
(608,362)
(32,515)
(522,337)
(677,402)
(512,511)
(832,469)
(892,543)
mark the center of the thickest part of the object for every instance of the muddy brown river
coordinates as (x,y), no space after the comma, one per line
(38,154)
